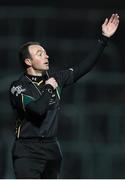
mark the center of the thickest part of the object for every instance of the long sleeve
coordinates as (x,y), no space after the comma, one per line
(40,105)
(87,64)
(24,103)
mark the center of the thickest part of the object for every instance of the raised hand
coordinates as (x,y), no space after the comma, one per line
(110,26)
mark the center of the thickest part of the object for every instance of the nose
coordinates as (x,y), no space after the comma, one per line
(47,56)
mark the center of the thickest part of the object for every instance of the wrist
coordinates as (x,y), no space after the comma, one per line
(103,39)
(106,35)
(48,89)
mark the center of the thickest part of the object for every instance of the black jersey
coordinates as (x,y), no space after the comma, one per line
(37,104)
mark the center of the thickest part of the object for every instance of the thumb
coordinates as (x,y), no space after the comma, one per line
(105,22)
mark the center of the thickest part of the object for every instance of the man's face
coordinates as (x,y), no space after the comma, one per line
(39,58)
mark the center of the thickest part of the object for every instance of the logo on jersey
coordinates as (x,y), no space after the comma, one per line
(18,90)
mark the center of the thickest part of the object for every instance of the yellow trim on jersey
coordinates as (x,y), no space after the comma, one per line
(38,83)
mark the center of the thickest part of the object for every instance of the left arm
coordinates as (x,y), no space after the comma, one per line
(109,27)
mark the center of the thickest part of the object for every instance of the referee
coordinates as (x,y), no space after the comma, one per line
(35,98)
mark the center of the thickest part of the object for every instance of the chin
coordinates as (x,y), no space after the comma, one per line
(47,68)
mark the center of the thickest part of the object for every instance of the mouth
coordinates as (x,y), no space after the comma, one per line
(46,63)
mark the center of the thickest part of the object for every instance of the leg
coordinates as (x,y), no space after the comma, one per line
(52,170)
(26,168)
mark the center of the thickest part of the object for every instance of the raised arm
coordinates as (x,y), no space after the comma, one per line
(109,27)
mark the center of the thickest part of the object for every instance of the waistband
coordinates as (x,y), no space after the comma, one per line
(38,139)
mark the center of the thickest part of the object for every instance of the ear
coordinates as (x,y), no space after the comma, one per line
(28,62)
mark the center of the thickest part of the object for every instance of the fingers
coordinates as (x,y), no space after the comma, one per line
(114,19)
(52,82)
(105,22)
(111,18)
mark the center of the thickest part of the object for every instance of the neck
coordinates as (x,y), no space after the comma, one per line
(34,72)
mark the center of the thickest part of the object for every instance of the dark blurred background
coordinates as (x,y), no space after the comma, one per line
(92,116)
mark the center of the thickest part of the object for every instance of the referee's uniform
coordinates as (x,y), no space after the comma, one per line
(36,152)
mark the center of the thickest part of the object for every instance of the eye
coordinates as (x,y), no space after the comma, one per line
(40,54)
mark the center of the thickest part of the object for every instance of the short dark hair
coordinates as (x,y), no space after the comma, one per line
(24,52)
